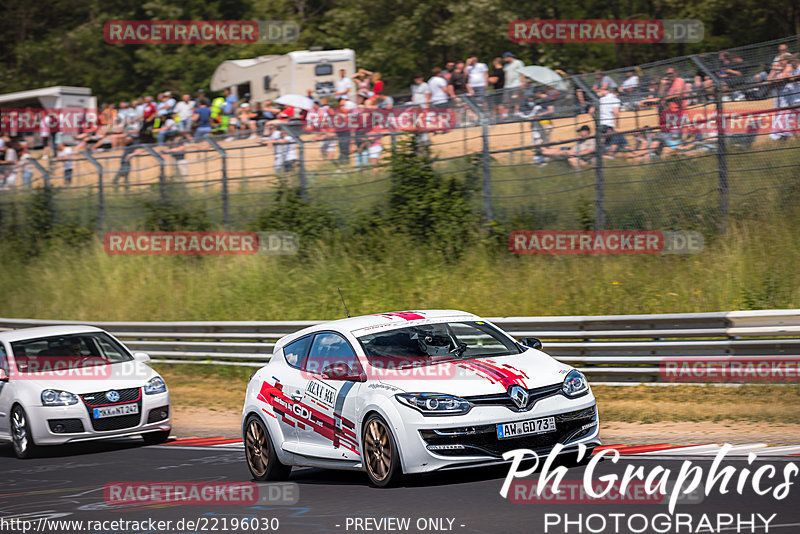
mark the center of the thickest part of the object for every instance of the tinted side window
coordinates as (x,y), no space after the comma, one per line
(329,349)
(295,351)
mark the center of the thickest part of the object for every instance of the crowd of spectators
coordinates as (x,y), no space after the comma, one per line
(499,89)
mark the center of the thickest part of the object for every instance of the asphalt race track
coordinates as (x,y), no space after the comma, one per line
(67,484)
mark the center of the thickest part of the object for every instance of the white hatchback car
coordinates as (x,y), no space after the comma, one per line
(410,392)
(61,384)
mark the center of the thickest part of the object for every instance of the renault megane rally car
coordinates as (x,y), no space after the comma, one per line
(410,392)
(62,384)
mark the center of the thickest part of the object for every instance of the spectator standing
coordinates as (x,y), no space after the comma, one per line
(344,85)
(630,84)
(497,79)
(458,83)
(420,92)
(438,86)
(185,113)
(478,79)
(514,82)
(25,167)
(607,108)
(603,81)
(65,157)
(202,117)
(10,160)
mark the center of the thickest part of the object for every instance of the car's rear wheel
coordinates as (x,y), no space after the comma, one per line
(260,452)
(154,438)
(21,437)
(381,455)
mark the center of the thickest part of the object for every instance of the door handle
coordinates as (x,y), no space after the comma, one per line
(297,396)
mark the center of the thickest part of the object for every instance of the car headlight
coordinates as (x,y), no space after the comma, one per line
(155,385)
(434,403)
(575,384)
(55,397)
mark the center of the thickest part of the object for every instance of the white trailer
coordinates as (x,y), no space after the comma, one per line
(268,77)
(55,97)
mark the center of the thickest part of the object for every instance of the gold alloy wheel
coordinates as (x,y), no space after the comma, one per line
(256,448)
(378,447)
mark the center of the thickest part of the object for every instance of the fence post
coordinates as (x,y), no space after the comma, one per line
(41,169)
(301,169)
(722,149)
(101,206)
(162,177)
(599,181)
(483,119)
(226,217)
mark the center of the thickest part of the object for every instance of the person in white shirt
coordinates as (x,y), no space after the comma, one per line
(438,87)
(477,77)
(344,85)
(185,111)
(420,92)
(630,84)
(608,108)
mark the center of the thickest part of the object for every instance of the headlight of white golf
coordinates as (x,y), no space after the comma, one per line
(55,397)
(155,385)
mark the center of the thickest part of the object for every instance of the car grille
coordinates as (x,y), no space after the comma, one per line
(503,399)
(99,398)
(482,439)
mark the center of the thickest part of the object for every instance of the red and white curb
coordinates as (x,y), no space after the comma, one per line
(660,449)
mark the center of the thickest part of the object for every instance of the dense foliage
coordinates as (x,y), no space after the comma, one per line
(61,43)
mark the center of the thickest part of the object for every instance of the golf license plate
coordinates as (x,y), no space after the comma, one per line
(526,428)
(115,411)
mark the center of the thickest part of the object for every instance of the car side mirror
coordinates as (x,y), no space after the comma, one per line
(342,371)
(532,342)
(3,375)
(141,357)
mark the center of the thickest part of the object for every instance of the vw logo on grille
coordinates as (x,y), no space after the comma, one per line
(112,396)
(519,396)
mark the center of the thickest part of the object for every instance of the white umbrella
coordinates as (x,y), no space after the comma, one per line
(296,101)
(544,76)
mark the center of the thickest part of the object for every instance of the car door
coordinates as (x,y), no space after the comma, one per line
(283,390)
(6,394)
(332,378)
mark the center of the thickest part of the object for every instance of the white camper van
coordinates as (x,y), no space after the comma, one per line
(56,97)
(268,77)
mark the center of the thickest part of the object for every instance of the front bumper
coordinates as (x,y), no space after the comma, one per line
(435,443)
(56,425)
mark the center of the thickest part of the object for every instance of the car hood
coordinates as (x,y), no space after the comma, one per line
(479,376)
(123,375)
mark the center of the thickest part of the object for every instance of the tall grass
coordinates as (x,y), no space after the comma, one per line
(754,266)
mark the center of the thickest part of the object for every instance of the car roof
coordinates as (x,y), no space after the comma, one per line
(385,321)
(22,334)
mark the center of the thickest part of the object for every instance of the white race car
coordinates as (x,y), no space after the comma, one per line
(62,384)
(410,392)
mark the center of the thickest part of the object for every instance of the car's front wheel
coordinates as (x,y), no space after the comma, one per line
(261,457)
(21,437)
(381,455)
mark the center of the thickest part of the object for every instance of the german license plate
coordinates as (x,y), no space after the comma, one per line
(115,411)
(526,428)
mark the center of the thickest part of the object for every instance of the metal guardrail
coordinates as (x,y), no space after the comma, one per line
(613,348)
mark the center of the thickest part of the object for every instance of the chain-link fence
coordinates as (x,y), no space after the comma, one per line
(677,144)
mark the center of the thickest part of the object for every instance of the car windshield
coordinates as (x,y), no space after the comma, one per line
(55,353)
(433,343)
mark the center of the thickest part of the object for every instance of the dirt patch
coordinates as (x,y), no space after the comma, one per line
(205,422)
